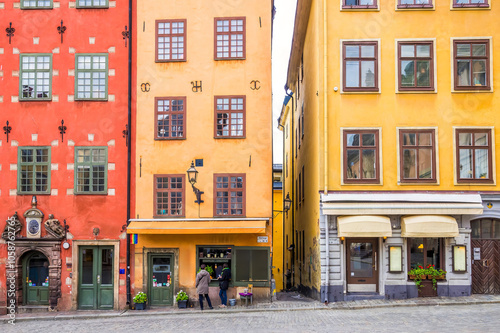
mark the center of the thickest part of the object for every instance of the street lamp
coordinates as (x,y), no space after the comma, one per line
(288,203)
(192,174)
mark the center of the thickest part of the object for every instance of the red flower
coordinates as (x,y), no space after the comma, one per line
(420,267)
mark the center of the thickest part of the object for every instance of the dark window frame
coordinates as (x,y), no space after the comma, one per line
(442,256)
(415,59)
(486,4)
(374,6)
(432,132)
(415,5)
(375,59)
(230,111)
(169,190)
(494,224)
(490,179)
(230,190)
(184,35)
(229,57)
(177,98)
(487,57)
(376,132)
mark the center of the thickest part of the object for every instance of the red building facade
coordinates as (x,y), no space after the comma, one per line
(63,154)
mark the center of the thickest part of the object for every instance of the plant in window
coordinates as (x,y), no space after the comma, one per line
(418,274)
(435,274)
(209,269)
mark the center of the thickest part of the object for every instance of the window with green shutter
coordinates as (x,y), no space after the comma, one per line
(35,77)
(91,170)
(91,77)
(92,4)
(36,4)
(251,265)
(33,172)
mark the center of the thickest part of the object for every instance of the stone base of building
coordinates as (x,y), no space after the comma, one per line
(335,293)
(410,291)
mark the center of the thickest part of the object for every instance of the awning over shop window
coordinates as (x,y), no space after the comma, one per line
(364,226)
(429,226)
(197,226)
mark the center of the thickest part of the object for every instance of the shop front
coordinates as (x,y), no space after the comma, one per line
(376,239)
(168,255)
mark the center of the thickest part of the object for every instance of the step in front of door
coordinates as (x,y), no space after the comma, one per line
(32,308)
(363,296)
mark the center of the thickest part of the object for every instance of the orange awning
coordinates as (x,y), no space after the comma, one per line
(191,227)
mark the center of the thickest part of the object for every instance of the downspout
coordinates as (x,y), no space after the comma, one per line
(129,147)
(292,131)
(283,201)
(325,131)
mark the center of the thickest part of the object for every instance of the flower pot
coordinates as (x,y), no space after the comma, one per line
(140,306)
(182,304)
(437,277)
(413,277)
(426,289)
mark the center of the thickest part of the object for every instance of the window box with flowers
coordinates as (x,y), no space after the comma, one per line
(426,279)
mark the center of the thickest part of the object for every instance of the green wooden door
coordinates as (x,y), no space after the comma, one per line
(36,277)
(95,280)
(160,279)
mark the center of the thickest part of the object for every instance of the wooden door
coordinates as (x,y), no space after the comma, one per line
(160,291)
(95,280)
(36,277)
(485,266)
(362,270)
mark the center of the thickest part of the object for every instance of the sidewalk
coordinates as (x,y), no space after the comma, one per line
(289,302)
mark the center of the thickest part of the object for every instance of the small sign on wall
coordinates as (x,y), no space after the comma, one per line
(477,253)
(262,239)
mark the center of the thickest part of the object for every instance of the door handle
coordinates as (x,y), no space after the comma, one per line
(98,279)
(485,263)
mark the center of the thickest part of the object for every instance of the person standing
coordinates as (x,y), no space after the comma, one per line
(202,282)
(224,278)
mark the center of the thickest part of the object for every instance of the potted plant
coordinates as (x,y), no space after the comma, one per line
(209,269)
(435,274)
(140,301)
(417,274)
(181,298)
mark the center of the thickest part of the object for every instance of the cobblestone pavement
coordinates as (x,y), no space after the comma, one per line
(432,318)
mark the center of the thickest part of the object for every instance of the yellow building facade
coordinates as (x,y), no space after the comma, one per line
(203,103)
(390,136)
(278,231)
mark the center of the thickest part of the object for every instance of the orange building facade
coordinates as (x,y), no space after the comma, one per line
(63,155)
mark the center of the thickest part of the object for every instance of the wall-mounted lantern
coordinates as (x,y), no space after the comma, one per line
(192,174)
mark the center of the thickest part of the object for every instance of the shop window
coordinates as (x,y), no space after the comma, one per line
(417,156)
(425,251)
(485,229)
(474,156)
(472,64)
(170,40)
(230,38)
(33,170)
(169,195)
(91,170)
(91,77)
(360,66)
(251,266)
(36,77)
(361,151)
(214,257)
(36,4)
(170,118)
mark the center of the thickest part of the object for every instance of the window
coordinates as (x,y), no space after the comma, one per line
(170,40)
(169,195)
(416,66)
(303,122)
(415,4)
(361,150)
(91,81)
(33,170)
(472,64)
(360,66)
(170,117)
(470,3)
(286,165)
(251,265)
(230,38)
(354,4)
(425,251)
(417,156)
(474,155)
(91,170)
(302,190)
(230,116)
(36,77)
(299,131)
(36,4)
(229,194)
(485,229)
(215,257)
(92,4)
(299,188)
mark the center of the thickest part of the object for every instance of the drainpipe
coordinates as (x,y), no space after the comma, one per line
(283,174)
(325,93)
(129,146)
(293,183)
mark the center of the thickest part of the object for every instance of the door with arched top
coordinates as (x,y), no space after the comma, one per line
(36,279)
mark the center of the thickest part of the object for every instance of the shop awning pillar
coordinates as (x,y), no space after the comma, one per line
(364,226)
